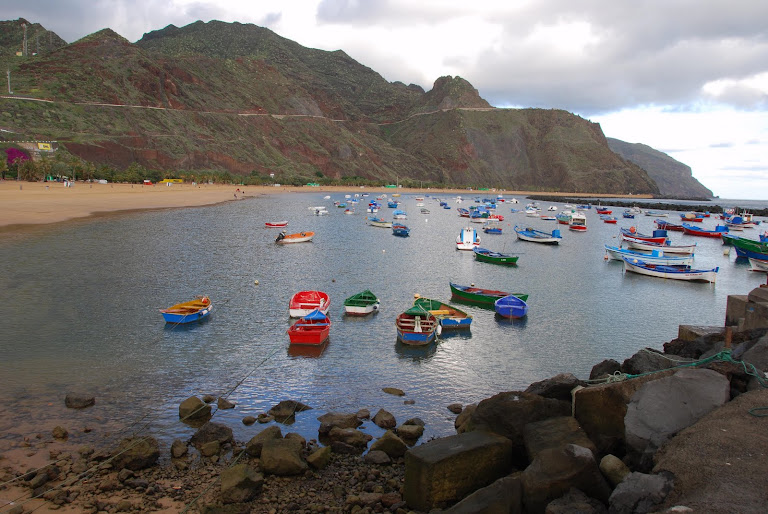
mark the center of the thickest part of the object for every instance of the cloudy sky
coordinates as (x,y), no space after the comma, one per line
(687,77)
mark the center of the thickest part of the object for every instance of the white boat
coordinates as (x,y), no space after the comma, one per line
(538,236)
(655,257)
(467,239)
(578,221)
(671,272)
(326,198)
(552,208)
(321,211)
(532,213)
(637,244)
(378,222)
(758,264)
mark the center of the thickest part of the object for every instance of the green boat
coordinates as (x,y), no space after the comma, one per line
(479,296)
(746,244)
(449,317)
(361,304)
(485,255)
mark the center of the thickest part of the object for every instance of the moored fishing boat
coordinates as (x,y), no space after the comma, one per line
(637,244)
(416,326)
(510,307)
(578,222)
(187,312)
(671,272)
(378,222)
(304,302)
(449,317)
(275,224)
(668,225)
(698,231)
(399,215)
(299,237)
(609,219)
(400,230)
(538,236)
(492,227)
(312,329)
(361,304)
(658,237)
(654,257)
(480,296)
(758,264)
(485,255)
(467,239)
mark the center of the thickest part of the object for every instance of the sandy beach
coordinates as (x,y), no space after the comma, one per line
(26,204)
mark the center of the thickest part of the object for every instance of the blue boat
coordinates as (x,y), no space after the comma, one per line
(628,215)
(392,204)
(656,256)
(449,317)
(398,229)
(537,236)
(187,312)
(511,307)
(416,326)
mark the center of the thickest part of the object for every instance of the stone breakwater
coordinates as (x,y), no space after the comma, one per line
(665,431)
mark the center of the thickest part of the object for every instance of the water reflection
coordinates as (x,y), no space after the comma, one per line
(515,322)
(417,353)
(306,350)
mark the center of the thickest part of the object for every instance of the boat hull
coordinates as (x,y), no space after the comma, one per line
(188,312)
(495,257)
(449,317)
(649,247)
(511,307)
(299,237)
(691,275)
(656,257)
(481,297)
(309,335)
(187,318)
(304,302)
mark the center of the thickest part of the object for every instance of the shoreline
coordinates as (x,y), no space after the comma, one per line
(34,204)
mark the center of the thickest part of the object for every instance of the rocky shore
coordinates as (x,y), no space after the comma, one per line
(675,431)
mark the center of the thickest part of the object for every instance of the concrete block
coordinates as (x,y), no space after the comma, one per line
(443,471)
(693,332)
(756,315)
(735,309)
(758,294)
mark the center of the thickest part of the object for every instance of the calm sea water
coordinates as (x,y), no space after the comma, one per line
(83,299)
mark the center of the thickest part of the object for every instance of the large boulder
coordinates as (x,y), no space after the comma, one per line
(285,411)
(338,419)
(136,453)
(555,471)
(639,493)
(575,502)
(211,432)
(256,443)
(384,419)
(661,408)
(504,495)
(558,387)
(605,368)
(390,444)
(194,409)
(282,457)
(443,471)
(507,414)
(240,483)
(648,360)
(350,436)
(554,433)
(79,400)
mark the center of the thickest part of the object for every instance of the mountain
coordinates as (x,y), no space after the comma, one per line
(674,178)
(239,98)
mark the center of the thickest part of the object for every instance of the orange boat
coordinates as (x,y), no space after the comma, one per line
(299,237)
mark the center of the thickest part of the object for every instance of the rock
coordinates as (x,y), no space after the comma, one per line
(224,404)
(443,471)
(456,408)
(285,410)
(647,360)
(297,437)
(554,433)
(210,448)
(136,453)
(603,369)
(178,449)
(211,432)
(502,496)
(507,414)
(558,387)
(410,433)
(384,419)
(249,420)
(756,354)
(574,501)
(363,414)
(614,469)
(377,457)
(319,458)
(282,457)
(393,390)
(409,402)
(79,400)
(662,408)
(59,432)
(193,408)
(350,436)
(124,474)
(209,398)
(345,449)
(337,419)
(555,471)
(265,418)
(240,483)
(414,421)
(639,493)
(464,417)
(256,443)
(390,444)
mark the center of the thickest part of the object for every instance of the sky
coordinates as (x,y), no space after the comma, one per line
(686,77)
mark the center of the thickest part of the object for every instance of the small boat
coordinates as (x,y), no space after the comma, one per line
(672,272)
(601,210)
(758,264)
(552,208)
(187,312)
(416,326)
(548,218)
(691,217)
(378,222)
(538,236)
(628,214)
(655,257)
(312,329)
(657,214)
(449,317)
(424,210)
(668,225)
(275,224)
(510,307)
(392,204)
(400,230)
(637,244)
(485,255)
(464,213)
(467,239)
(349,211)
(564,217)
(492,227)
(304,302)
(609,219)
(399,215)
(361,304)
(658,237)
(480,296)
(578,222)
(299,237)
(698,231)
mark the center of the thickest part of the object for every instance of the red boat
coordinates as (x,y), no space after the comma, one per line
(312,329)
(696,231)
(632,234)
(666,225)
(603,211)
(304,302)
(276,224)
(691,217)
